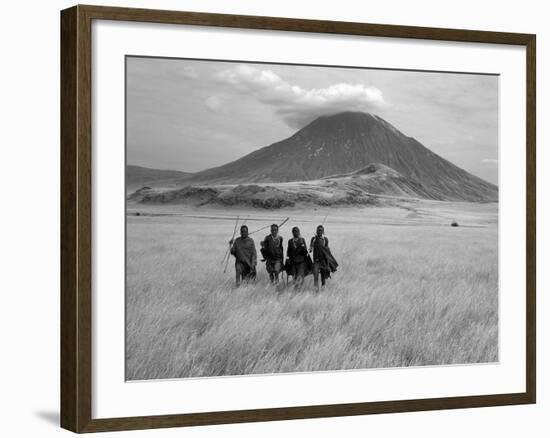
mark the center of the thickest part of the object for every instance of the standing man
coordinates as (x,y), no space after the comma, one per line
(272,252)
(323,261)
(244,250)
(297,258)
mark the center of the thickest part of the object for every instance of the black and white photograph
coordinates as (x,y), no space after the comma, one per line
(258,219)
(286,218)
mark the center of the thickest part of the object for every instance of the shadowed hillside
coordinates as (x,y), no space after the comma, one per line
(376,184)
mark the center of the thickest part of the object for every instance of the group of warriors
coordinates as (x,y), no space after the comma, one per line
(301,260)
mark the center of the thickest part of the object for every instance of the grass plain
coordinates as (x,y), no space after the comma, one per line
(411,291)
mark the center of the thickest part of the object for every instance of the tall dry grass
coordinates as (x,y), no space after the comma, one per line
(404,296)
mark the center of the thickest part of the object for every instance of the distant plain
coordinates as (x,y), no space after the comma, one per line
(411,290)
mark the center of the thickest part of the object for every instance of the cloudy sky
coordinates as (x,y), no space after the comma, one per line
(191,115)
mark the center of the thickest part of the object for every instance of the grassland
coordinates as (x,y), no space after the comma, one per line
(410,291)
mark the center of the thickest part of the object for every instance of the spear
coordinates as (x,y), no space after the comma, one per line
(284,222)
(267,226)
(259,229)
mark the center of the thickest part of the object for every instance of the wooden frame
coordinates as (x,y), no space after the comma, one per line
(76,300)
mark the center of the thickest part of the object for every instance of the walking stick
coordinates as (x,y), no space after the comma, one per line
(228,258)
(225,254)
(228,253)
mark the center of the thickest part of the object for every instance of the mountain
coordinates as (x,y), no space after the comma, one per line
(343,143)
(375,184)
(137,176)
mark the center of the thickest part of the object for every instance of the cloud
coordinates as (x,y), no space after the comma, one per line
(214,103)
(491,161)
(298,106)
(188,72)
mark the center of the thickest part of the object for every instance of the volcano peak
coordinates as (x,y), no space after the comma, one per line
(346,142)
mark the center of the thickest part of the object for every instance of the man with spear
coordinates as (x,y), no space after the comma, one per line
(324,262)
(298,263)
(244,251)
(273,254)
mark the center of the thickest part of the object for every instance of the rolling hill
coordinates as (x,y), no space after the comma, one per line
(375,184)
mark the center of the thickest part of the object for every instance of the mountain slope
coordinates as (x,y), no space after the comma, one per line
(343,143)
(139,176)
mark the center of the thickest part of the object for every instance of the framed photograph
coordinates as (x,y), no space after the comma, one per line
(271,218)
